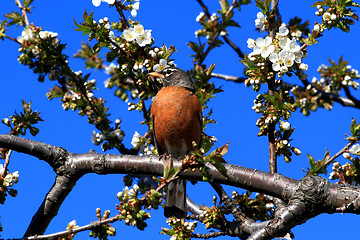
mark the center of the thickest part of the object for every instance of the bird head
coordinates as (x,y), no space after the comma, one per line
(173,76)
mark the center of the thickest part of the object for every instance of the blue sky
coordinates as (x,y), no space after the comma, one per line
(172,23)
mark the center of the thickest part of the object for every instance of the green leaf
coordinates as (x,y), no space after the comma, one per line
(311,160)
(26,3)
(215,158)
(15,18)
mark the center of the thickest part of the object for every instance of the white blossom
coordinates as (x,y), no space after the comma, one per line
(251,43)
(135,8)
(6,121)
(144,39)
(282,61)
(129,34)
(139,29)
(131,193)
(47,34)
(326,17)
(136,140)
(26,35)
(161,65)
(317,28)
(333,17)
(264,47)
(355,149)
(11,178)
(97,3)
(285,126)
(345,155)
(296,34)
(111,68)
(283,30)
(152,53)
(200,17)
(303,66)
(260,21)
(214,17)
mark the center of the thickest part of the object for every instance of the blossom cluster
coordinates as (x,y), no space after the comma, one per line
(348,171)
(181,228)
(139,142)
(138,34)
(73,100)
(114,137)
(327,17)
(33,35)
(133,6)
(10,178)
(28,34)
(208,26)
(131,208)
(128,193)
(154,53)
(283,52)
(334,76)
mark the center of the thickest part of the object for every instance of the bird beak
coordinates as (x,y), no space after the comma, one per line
(156,74)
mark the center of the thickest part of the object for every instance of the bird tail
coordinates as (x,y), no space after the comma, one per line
(175,200)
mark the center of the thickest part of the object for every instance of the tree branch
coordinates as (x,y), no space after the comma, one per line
(217,34)
(51,204)
(307,198)
(330,160)
(346,102)
(228,77)
(233,46)
(123,18)
(271,90)
(23,12)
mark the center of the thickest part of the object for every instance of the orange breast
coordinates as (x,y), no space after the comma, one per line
(176,114)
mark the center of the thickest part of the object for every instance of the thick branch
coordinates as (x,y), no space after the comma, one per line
(51,204)
(319,196)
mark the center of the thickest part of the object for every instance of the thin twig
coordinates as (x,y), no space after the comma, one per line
(228,77)
(167,181)
(209,235)
(330,160)
(23,12)
(271,89)
(123,18)
(13,39)
(204,7)
(233,46)
(350,96)
(346,102)
(226,38)
(217,34)
(75,230)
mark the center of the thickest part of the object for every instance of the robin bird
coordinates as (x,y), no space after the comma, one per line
(177,122)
